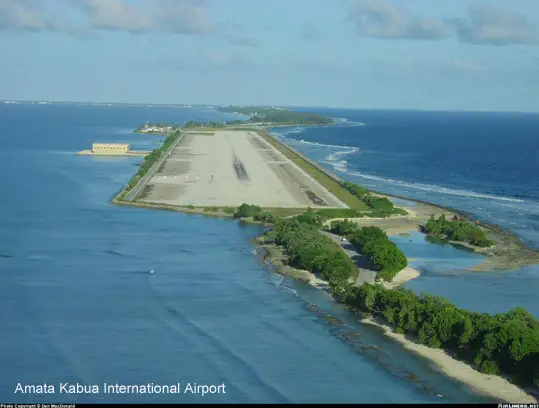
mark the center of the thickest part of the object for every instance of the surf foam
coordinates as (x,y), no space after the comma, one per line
(433,188)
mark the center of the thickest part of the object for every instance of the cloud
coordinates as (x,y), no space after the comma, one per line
(28,16)
(177,16)
(488,25)
(241,40)
(309,32)
(381,19)
(470,66)
(484,25)
(216,58)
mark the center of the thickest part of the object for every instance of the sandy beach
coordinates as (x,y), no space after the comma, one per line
(402,277)
(495,386)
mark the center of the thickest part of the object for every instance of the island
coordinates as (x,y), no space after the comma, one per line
(257,116)
(458,230)
(277,116)
(157,128)
(334,235)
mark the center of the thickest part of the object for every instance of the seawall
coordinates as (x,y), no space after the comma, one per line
(132,153)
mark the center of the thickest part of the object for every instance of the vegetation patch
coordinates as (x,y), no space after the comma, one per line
(276,116)
(456,230)
(308,249)
(373,242)
(254,212)
(506,343)
(381,207)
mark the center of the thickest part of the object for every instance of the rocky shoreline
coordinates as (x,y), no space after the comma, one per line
(489,385)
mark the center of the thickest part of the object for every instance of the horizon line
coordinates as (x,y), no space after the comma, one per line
(142,104)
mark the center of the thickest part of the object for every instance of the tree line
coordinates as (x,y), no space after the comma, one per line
(307,249)
(384,256)
(456,230)
(278,116)
(504,343)
(381,207)
(254,212)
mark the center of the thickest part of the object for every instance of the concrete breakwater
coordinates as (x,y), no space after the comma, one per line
(135,153)
(112,149)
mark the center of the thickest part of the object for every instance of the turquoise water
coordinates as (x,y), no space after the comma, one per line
(79,305)
(485,164)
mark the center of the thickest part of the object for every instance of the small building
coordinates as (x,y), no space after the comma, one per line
(110,148)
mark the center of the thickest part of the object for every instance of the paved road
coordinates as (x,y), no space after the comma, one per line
(365,275)
(132,195)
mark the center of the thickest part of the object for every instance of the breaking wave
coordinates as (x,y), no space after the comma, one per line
(432,187)
(347,122)
(350,149)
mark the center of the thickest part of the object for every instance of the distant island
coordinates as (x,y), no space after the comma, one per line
(258,116)
(157,128)
(279,116)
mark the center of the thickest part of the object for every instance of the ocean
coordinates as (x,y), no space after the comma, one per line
(80,307)
(486,164)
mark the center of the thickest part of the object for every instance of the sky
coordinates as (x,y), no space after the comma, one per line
(373,54)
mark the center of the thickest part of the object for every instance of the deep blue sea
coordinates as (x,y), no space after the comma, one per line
(79,306)
(486,164)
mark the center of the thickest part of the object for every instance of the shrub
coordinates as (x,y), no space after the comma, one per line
(381,206)
(265,216)
(458,230)
(246,210)
(308,249)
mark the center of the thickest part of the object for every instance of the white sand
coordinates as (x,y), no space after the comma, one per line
(316,281)
(402,277)
(390,225)
(492,385)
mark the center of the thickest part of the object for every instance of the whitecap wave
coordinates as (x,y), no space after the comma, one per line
(282,133)
(341,165)
(434,188)
(334,160)
(349,149)
(347,122)
(288,289)
(276,279)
